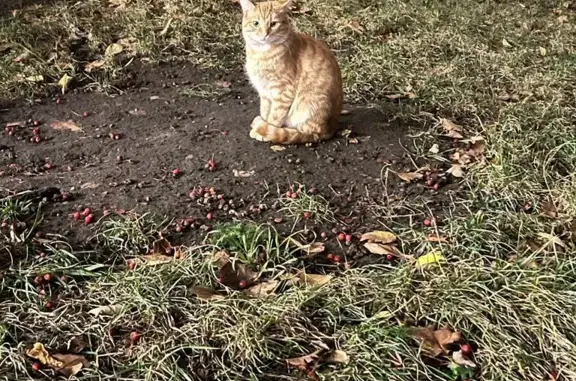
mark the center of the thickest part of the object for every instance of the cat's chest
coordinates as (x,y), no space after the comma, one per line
(262,79)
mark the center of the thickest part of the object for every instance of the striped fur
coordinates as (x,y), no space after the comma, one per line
(297,77)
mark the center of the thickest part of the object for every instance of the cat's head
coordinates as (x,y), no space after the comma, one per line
(266,24)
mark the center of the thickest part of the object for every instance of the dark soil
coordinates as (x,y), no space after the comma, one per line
(160,129)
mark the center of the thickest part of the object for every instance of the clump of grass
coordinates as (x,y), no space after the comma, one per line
(15,210)
(306,206)
(130,234)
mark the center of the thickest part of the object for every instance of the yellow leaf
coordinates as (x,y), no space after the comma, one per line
(379,236)
(68,365)
(35,78)
(65,125)
(505,43)
(113,49)
(430,258)
(64,82)
(543,51)
(314,279)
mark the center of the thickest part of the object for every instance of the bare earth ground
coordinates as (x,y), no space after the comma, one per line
(459,148)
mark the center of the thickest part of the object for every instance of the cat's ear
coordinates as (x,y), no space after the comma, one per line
(284,5)
(246,5)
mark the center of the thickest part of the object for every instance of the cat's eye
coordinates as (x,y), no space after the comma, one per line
(274,23)
(255,23)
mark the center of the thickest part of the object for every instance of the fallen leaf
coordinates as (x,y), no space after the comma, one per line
(378,248)
(232,273)
(21,123)
(379,236)
(152,259)
(477,149)
(89,185)
(430,258)
(277,148)
(409,176)
(35,78)
(94,65)
(345,133)
(223,84)
(462,360)
(306,364)
(543,51)
(106,310)
(337,357)
(505,43)
(68,364)
(356,26)
(456,170)
(238,173)
(548,209)
(436,238)
(262,290)
(562,19)
(434,149)
(64,82)
(435,342)
(206,293)
(65,125)
(314,279)
(113,49)
(452,129)
(162,246)
(137,112)
(220,258)
(313,248)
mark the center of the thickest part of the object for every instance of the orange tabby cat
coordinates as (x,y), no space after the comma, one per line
(297,77)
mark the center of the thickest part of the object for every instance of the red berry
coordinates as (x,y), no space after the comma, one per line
(348,238)
(323,235)
(306,215)
(47,277)
(466,349)
(209,216)
(178,228)
(288,194)
(330,257)
(36,366)
(77,216)
(293,195)
(86,212)
(42,254)
(135,336)
(341,237)
(37,139)
(86,114)
(242,283)
(117,136)
(36,123)
(88,219)
(49,305)
(427,222)
(430,182)
(193,195)
(38,280)
(436,186)
(58,101)
(132,265)
(176,172)
(390,257)
(36,131)
(337,258)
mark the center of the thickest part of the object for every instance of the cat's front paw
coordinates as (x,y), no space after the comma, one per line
(255,135)
(257,122)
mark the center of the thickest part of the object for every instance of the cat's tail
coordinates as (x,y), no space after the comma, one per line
(287,135)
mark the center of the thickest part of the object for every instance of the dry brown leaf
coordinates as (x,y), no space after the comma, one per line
(223,84)
(206,293)
(409,176)
(314,279)
(313,248)
(562,19)
(105,310)
(436,238)
(379,237)
(65,125)
(452,130)
(152,259)
(456,170)
(89,185)
(309,363)
(462,360)
(477,149)
(94,65)
(264,289)
(548,209)
(378,248)
(21,123)
(435,342)
(232,273)
(68,365)
(220,258)
(337,357)
(238,173)
(356,26)
(277,148)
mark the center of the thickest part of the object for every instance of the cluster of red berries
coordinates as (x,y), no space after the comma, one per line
(343,237)
(210,165)
(86,214)
(435,181)
(334,258)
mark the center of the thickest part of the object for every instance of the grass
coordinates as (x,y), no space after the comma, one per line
(504,70)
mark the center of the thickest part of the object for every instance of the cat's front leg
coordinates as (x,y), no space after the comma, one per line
(257,123)
(265,104)
(280,107)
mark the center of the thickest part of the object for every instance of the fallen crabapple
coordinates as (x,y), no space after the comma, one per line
(135,336)
(466,349)
(176,172)
(337,258)
(341,237)
(88,219)
(86,212)
(306,215)
(242,283)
